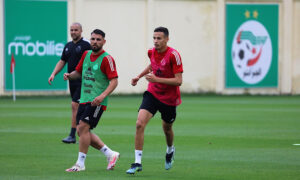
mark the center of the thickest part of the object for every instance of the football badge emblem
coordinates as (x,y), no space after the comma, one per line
(251,52)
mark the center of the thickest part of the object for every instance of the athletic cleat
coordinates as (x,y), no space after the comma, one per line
(75,168)
(112,161)
(169,160)
(135,167)
(69,140)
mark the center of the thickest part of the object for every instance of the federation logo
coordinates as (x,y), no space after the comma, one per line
(251,52)
(95,67)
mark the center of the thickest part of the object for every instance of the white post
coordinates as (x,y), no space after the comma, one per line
(14,83)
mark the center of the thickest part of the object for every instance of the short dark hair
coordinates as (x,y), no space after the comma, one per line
(98,31)
(162,29)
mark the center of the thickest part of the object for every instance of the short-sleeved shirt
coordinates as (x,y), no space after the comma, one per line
(165,65)
(72,53)
(174,58)
(108,65)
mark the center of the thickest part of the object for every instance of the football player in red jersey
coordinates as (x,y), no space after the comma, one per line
(164,74)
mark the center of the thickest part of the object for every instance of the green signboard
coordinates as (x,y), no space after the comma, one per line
(35,34)
(251,45)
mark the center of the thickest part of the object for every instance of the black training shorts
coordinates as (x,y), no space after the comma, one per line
(151,104)
(89,114)
(75,89)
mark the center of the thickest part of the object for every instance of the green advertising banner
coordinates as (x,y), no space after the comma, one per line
(35,34)
(251,45)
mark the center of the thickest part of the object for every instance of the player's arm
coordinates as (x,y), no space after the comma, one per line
(78,70)
(72,76)
(142,74)
(108,67)
(113,83)
(176,81)
(176,68)
(59,66)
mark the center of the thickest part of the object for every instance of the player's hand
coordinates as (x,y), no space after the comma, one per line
(98,100)
(134,81)
(50,79)
(151,77)
(66,76)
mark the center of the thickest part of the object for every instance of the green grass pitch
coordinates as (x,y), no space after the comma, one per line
(216,138)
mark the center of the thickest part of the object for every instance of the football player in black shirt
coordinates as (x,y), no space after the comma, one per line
(71,55)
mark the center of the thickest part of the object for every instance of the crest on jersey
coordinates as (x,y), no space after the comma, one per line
(163,62)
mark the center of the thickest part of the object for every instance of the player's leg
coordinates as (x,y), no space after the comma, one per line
(168,115)
(75,106)
(143,118)
(84,139)
(96,142)
(75,95)
(169,133)
(146,112)
(170,154)
(84,142)
(112,156)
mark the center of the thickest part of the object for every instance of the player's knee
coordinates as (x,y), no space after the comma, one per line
(74,106)
(139,125)
(167,128)
(81,128)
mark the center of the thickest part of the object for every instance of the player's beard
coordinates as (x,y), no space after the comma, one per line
(96,49)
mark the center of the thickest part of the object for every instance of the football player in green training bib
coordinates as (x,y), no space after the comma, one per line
(99,78)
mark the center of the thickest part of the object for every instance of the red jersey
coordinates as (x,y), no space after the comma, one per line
(108,66)
(165,65)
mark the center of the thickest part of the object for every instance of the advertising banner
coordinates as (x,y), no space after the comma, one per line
(35,34)
(251,45)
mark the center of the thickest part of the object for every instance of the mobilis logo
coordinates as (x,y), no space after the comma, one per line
(23,45)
